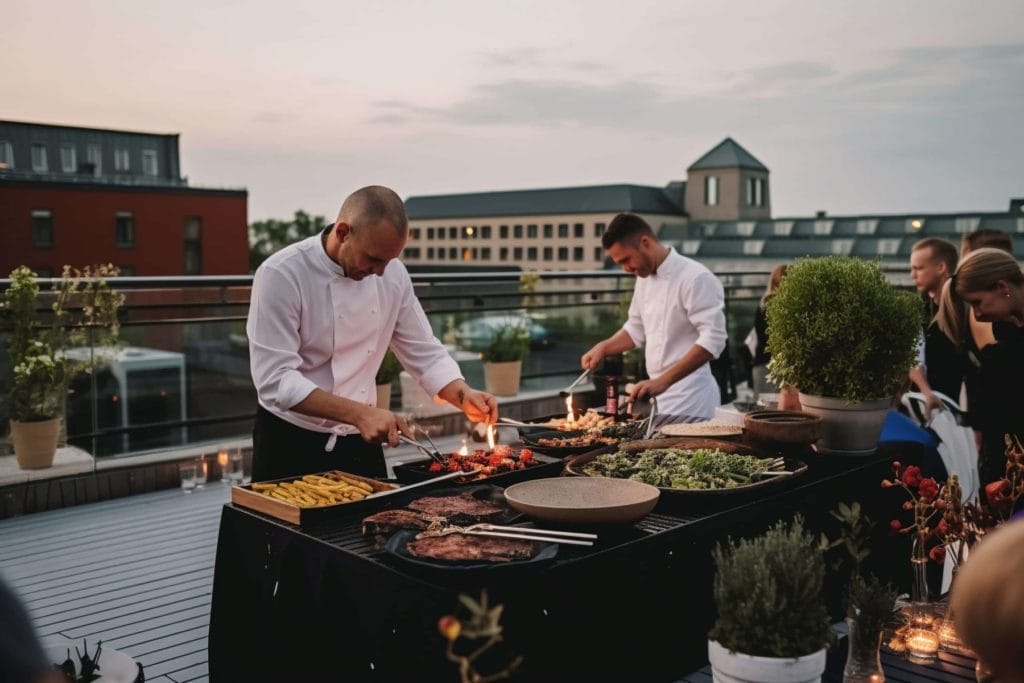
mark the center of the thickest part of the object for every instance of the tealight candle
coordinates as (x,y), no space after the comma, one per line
(922,645)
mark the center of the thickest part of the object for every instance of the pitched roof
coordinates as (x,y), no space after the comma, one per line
(728,154)
(568,200)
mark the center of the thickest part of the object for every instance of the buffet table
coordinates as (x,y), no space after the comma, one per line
(321,603)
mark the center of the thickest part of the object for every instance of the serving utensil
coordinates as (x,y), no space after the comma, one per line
(434,454)
(518,423)
(520,533)
(573,385)
(432,480)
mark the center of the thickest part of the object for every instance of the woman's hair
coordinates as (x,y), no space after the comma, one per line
(778,272)
(981,270)
(986,237)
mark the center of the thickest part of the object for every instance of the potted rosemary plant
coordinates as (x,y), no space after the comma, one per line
(845,337)
(772,624)
(503,358)
(388,371)
(80,303)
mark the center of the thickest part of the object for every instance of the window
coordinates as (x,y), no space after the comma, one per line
(94,157)
(517,231)
(430,252)
(485,253)
(466,254)
(577,253)
(453,253)
(563,253)
(121,159)
(549,231)
(43,271)
(68,160)
(548,253)
(531,254)
(42,228)
(563,229)
(414,233)
(39,164)
(577,230)
(711,190)
(597,254)
(124,229)
(127,270)
(193,245)
(517,253)
(755,191)
(453,233)
(440,254)
(503,254)
(503,232)
(413,252)
(599,230)
(531,231)
(6,154)
(430,233)
(475,254)
(469,231)
(149,165)
(440,233)
(485,232)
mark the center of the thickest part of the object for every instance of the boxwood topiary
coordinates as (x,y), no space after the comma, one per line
(509,343)
(768,591)
(837,328)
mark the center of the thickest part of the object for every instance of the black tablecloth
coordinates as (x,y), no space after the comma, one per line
(294,604)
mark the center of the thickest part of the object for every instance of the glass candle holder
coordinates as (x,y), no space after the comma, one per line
(222,465)
(922,645)
(201,472)
(188,476)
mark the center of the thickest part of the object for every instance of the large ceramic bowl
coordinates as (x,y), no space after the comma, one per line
(782,427)
(583,500)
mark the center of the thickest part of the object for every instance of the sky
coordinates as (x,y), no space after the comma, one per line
(873,106)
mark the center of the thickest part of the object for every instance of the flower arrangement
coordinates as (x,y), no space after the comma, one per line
(81,302)
(482,630)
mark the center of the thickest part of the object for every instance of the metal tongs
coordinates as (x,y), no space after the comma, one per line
(524,533)
(573,385)
(433,453)
(648,421)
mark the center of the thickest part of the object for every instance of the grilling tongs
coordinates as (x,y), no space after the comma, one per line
(525,533)
(432,452)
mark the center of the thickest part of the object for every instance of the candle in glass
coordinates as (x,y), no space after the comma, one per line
(922,645)
(222,463)
(201,472)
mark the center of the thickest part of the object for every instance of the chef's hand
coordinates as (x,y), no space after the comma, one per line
(381,426)
(592,358)
(648,387)
(479,406)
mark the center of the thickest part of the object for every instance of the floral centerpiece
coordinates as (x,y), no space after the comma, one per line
(82,308)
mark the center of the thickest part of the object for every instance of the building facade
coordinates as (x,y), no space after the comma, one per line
(80,196)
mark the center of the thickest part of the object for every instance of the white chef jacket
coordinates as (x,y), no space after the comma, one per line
(680,305)
(311,327)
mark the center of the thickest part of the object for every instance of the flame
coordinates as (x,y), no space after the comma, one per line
(464,450)
(222,458)
(490,437)
(570,417)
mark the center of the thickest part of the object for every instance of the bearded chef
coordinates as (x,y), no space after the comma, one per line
(677,315)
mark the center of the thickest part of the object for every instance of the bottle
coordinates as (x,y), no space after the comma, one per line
(611,395)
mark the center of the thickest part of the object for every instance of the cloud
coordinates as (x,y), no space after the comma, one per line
(792,71)
(272,117)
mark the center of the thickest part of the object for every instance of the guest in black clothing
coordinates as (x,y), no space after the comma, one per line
(990,282)
(761,355)
(21,656)
(932,263)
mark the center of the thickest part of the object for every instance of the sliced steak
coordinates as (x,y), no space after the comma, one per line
(463,507)
(389,521)
(463,547)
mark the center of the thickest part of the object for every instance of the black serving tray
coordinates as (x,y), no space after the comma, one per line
(547,466)
(531,441)
(396,548)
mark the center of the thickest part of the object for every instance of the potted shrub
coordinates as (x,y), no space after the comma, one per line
(388,371)
(81,301)
(772,623)
(845,337)
(503,358)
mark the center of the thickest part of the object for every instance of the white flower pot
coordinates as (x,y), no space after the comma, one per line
(502,379)
(35,443)
(847,428)
(734,667)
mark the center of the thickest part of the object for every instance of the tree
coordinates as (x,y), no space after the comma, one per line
(266,237)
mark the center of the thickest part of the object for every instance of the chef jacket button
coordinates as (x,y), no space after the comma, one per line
(373,310)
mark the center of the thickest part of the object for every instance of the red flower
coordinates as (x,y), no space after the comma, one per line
(942,529)
(938,554)
(895,525)
(449,627)
(928,488)
(912,476)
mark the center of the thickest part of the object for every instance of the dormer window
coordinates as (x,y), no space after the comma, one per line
(121,159)
(711,190)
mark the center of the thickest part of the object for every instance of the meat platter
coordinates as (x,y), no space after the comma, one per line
(503,465)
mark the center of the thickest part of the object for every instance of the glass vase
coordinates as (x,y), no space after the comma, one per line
(921,613)
(863,661)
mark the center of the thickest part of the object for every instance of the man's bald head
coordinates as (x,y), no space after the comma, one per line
(368,207)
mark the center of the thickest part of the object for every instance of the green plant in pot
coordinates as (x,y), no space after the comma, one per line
(389,370)
(82,309)
(845,337)
(772,623)
(503,358)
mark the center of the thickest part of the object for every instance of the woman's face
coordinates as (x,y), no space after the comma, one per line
(991,305)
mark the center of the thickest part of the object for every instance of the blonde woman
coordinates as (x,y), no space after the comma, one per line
(989,284)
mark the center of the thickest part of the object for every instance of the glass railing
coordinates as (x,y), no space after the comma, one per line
(180,375)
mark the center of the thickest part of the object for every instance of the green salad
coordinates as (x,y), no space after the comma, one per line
(678,468)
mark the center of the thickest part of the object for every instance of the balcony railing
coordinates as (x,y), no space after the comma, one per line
(181,374)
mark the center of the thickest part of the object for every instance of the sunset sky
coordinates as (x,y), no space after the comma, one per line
(856,107)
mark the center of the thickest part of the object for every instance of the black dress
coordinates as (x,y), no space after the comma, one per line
(1000,410)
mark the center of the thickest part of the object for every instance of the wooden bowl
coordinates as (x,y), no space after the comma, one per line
(583,500)
(782,427)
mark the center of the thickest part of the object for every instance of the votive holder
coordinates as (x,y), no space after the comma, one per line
(201,472)
(222,465)
(187,470)
(922,645)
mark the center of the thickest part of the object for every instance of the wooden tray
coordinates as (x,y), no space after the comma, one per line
(244,496)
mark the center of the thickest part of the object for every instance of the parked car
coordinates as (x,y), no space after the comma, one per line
(476,334)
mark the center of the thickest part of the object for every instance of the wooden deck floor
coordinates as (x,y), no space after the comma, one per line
(135,572)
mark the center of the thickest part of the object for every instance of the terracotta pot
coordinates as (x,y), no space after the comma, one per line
(502,379)
(384,396)
(35,443)
(735,667)
(847,428)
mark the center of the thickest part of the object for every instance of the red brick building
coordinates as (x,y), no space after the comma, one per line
(81,196)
